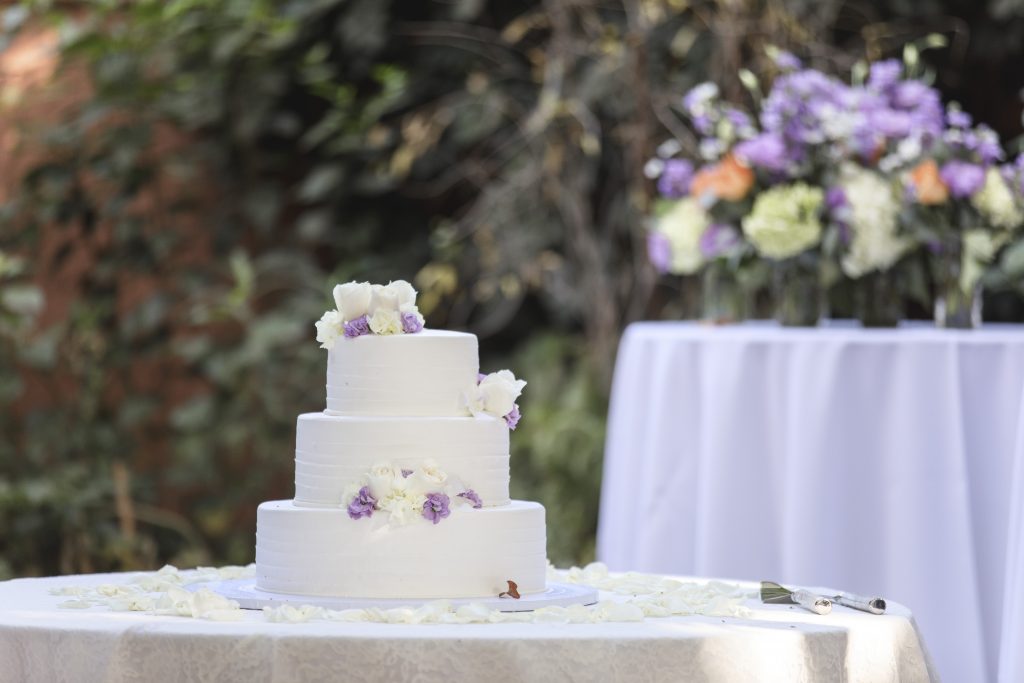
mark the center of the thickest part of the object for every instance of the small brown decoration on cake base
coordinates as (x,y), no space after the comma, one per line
(512,592)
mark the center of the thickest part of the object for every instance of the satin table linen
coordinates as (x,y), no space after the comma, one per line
(878,461)
(40,642)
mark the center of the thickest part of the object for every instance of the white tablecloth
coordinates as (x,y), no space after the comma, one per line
(877,460)
(39,642)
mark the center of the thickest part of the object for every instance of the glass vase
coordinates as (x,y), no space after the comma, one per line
(878,299)
(957,303)
(723,300)
(798,293)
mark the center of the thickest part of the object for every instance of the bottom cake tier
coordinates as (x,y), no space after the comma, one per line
(472,553)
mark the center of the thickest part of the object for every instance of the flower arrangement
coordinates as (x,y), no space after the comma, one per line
(495,394)
(831,181)
(404,495)
(362,308)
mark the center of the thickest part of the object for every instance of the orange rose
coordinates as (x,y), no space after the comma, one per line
(728,179)
(928,185)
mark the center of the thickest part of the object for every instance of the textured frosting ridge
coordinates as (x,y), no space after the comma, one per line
(333,451)
(425,374)
(317,551)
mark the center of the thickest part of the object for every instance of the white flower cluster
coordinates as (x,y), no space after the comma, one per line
(873,214)
(682,226)
(362,308)
(495,394)
(400,493)
(995,201)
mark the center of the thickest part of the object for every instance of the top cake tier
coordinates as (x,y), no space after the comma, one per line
(423,374)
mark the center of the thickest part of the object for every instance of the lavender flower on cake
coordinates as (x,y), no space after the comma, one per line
(435,507)
(412,322)
(513,417)
(363,504)
(472,497)
(357,328)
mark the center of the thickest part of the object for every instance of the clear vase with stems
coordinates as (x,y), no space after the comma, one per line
(957,298)
(878,298)
(798,291)
(723,298)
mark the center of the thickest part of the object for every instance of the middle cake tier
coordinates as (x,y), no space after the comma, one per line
(333,451)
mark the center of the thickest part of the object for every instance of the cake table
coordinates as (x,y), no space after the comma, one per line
(40,641)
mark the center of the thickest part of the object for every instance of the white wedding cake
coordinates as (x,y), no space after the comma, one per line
(401,484)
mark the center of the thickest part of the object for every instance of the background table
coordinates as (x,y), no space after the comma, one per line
(877,461)
(39,642)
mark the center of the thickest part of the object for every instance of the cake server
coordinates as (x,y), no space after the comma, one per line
(772,592)
(871,605)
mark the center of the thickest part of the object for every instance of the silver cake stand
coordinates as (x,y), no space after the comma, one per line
(248,596)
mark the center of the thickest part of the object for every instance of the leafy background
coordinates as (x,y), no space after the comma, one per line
(182,182)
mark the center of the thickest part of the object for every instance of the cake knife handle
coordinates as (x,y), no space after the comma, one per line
(872,605)
(810,601)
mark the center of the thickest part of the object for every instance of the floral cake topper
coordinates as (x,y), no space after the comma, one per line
(400,496)
(362,308)
(495,394)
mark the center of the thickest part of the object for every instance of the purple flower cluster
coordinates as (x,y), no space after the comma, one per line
(472,497)
(674,181)
(767,151)
(962,178)
(363,504)
(435,507)
(357,327)
(411,323)
(513,417)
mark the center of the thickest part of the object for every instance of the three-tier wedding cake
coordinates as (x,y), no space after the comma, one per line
(401,484)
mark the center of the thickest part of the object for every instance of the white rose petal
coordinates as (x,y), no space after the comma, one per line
(383,299)
(404,293)
(353,299)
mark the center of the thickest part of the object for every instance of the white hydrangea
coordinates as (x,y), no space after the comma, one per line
(402,506)
(996,203)
(784,220)
(874,209)
(683,226)
(329,328)
(386,321)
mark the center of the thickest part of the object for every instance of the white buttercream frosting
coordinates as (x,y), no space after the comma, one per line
(472,553)
(332,452)
(424,374)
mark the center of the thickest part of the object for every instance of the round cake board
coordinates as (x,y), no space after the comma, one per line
(248,596)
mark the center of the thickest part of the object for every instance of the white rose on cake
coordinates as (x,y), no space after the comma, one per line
(404,293)
(428,478)
(329,329)
(500,391)
(495,394)
(353,299)
(384,479)
(383,298)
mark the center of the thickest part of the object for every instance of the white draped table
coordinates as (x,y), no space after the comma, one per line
(41,642)
(882,461)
